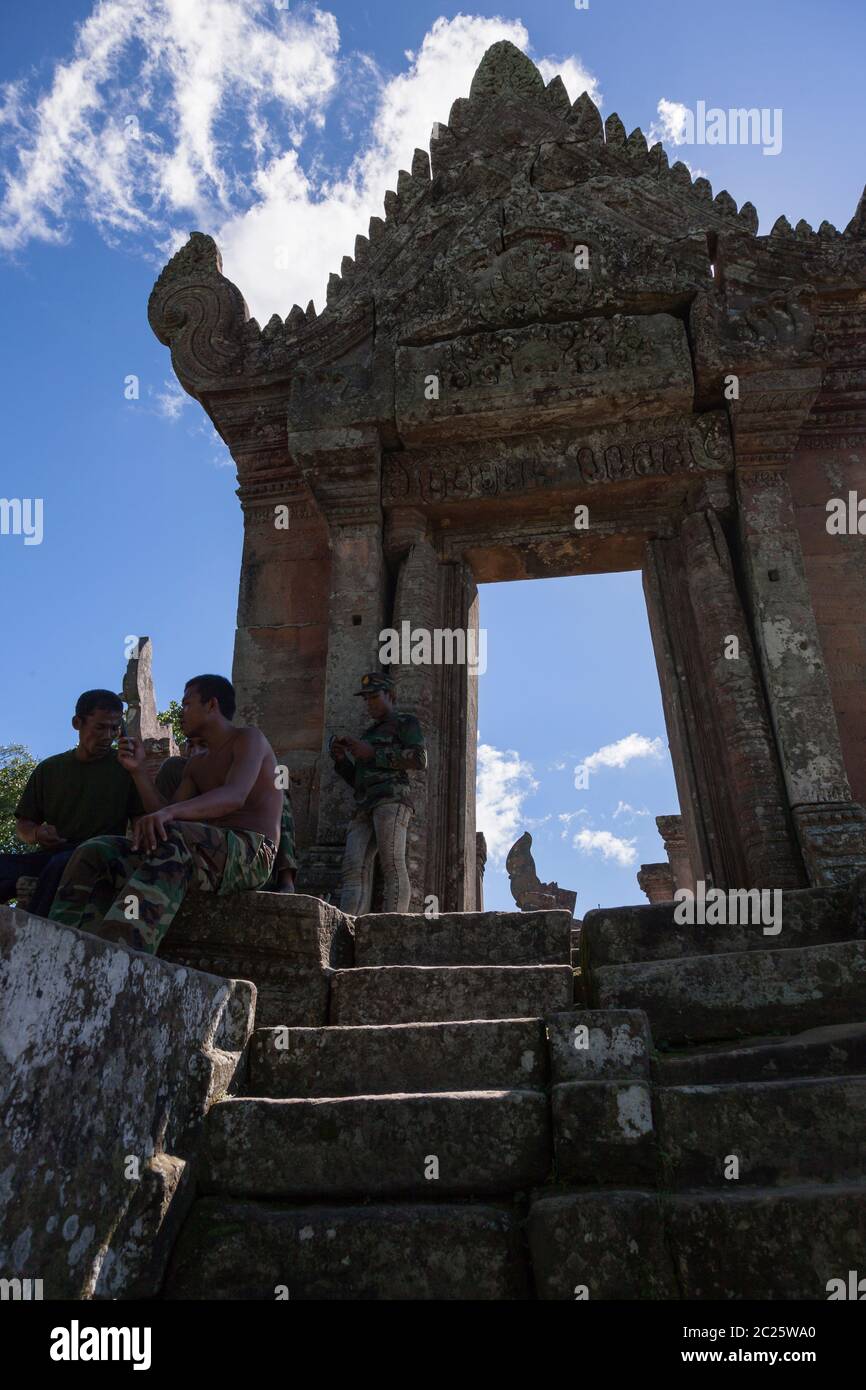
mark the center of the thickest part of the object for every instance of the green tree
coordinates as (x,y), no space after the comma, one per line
(173,716)
(16,765)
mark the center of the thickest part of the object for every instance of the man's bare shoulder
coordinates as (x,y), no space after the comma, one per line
(249,738)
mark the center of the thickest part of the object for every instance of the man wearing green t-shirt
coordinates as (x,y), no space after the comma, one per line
(70,798)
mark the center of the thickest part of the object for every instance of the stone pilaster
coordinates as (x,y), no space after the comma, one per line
(831,826)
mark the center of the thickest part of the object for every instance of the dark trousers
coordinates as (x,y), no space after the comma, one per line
(43,864)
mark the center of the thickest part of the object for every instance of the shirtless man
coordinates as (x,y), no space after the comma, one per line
(218,832)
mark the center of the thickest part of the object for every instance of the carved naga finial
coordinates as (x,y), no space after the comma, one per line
(200,315)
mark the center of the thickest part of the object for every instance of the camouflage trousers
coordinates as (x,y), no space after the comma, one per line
(121,894)
(379,829)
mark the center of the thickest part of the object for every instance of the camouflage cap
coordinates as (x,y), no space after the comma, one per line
(373,681)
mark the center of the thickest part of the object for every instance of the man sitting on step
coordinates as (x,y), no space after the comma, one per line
(282,880)
(218,833)
(69,798)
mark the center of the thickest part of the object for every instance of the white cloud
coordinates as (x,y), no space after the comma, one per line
(136,125)
(171,401)
(504,782)
(624,809)
(576,77)
(607,845)
(170,115)
(672,125)
(619,755)
(566,817)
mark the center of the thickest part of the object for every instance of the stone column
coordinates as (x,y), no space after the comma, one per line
(671,830)
(657,882)
(342,468)
(830,825)
(282,632)
(417,603)
(762,851)
(732,796)
(480,865)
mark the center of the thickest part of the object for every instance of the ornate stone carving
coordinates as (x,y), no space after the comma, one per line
(199,314)
(656,449)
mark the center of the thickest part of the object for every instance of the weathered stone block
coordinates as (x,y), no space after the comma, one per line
(599,1045)
(778,1131)
(287,944)
(430,994)
(111,1058)
(464,938)
(739,995)
(479,1056)
(600,1245)
(483,1142)
(626,935)
(603,1132)
(832,1051)
(768,1243)
(247,1250)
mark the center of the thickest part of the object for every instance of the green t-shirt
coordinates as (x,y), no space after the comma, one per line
(80,799)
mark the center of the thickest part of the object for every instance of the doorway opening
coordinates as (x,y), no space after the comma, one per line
(572,744)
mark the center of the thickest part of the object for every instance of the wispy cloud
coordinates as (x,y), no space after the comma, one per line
(168,115)
(504,782)
(624,809)
(609,846)
(619,755)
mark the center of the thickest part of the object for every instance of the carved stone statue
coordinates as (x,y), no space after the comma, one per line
(528,891)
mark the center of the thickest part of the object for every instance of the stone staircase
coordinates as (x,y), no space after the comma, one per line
(467,1119)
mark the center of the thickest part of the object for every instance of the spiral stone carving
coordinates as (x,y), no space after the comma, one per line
(200,315)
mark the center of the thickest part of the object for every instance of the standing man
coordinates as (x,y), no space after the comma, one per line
(376,767)
(69,798)
(218,833)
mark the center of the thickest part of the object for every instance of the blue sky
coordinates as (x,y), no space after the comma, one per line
(125,125)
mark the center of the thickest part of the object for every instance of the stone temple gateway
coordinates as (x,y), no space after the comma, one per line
(555,386)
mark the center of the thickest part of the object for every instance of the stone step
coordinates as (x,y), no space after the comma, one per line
(626,935)
(464,938)
(702,998)
(232,1249)
(495,1055)
(748,1243)
(443,993)
(780,1132)
(835,1051)
(481,1143)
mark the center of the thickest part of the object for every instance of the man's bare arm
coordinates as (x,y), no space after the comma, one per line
(37,833)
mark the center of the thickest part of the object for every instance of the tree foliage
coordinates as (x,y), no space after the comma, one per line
(16,765)
(173,716)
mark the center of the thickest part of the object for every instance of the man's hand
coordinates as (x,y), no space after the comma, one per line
(338,749)
(149,831)
(364,752)
(131,755)
(48,838)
